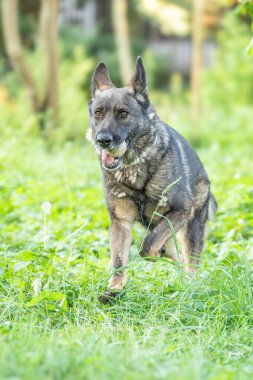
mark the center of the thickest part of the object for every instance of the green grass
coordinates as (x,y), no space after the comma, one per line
(52,269)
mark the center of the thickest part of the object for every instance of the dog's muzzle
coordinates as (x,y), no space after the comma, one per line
(112,158)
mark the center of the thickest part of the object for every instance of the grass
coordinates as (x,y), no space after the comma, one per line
(53,266)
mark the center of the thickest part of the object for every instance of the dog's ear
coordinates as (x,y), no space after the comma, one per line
(101,80)
(138,83)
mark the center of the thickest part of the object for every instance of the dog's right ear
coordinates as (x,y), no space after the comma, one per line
(101,80)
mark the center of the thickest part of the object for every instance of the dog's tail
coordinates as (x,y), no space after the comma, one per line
(212,207)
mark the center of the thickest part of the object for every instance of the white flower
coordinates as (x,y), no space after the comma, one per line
(36,286)
(46,207)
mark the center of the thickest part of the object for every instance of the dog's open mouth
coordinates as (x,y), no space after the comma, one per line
(109,162)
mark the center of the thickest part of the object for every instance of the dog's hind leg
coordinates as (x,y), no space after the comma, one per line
(162,232)
(191,238)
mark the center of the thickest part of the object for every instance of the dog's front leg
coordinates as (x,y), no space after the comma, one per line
(123,213)
(120,242)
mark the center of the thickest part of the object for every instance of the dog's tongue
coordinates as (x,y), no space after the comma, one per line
(106,158)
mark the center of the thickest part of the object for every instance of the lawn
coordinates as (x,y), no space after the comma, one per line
(54,263)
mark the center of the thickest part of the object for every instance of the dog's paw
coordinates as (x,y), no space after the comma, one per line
(162,251)
(109,295)
(150,256)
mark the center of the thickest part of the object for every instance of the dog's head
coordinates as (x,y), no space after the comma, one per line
(118,116)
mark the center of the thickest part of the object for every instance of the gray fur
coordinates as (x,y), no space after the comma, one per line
(156,156)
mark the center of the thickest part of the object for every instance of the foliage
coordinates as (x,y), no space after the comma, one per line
(73,102)
(101,46)
(246,7)
(226,83)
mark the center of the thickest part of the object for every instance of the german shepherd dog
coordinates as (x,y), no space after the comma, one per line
(141,157)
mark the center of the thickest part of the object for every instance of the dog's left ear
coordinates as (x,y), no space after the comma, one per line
(101,80)
(138,82)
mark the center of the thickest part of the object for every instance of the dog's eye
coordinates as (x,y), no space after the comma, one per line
(98,114)
(123,114)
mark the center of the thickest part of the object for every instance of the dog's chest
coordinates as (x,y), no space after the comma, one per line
(133,176)
(135,179)
(133,182)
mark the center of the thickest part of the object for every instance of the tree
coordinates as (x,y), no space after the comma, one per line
(120,24)
(197,52)
(48,36)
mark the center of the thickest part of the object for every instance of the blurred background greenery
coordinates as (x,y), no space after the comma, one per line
(199,63)
(199,74)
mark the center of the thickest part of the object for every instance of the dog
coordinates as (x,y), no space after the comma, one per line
(151,175)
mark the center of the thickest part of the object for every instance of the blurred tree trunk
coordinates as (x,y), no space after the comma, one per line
(15,51)
(121,31)
(104,15)
(197,58)
(48,35)
(48,15)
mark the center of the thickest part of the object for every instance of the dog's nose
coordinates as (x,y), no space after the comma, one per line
(104,139)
